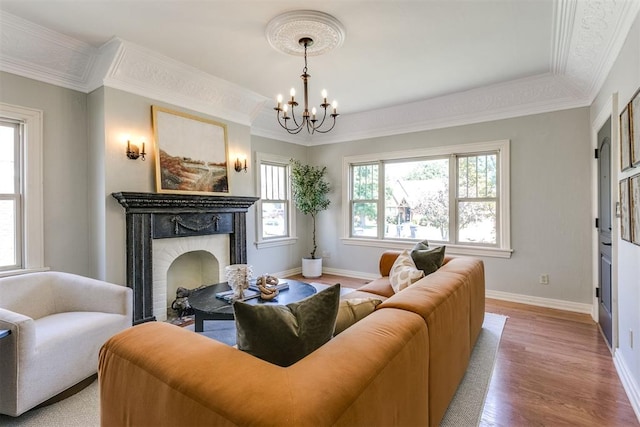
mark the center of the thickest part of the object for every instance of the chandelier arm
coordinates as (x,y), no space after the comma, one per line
(328,130)
(324,116)
(284,126)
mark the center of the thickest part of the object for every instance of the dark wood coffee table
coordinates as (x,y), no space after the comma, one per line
(207,307)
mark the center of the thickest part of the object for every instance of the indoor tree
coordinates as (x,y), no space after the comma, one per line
(309,190)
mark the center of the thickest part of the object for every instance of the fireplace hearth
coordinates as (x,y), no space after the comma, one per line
(161,216)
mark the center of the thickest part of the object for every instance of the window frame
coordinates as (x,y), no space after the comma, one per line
(261,242)
(32,187)
(502,248)
(16,194)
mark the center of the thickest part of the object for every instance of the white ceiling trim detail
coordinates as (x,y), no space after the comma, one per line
(598,33)
(588,36)
(533,95)
(36,52)
(146,73)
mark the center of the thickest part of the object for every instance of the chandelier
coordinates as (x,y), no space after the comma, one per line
(309,120)
(308,32)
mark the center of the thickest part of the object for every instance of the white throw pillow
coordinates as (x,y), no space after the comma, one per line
(404,272)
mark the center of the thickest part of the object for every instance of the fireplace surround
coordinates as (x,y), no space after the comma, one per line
(160,216)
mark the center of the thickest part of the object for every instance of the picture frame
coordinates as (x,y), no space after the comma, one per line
(634,206)
(625,139)
(191,153)
(625,224)
(634,126)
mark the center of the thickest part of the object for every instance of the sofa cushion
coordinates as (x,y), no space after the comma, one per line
(284,334)
(404,272)
(352,310)
(427,258)
(380,286)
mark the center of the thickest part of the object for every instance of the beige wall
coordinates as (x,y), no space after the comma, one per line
(65,164)
(125,113)
(550,201)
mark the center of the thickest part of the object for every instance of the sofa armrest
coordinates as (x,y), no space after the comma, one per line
(78,293)
(386,261)
(22,328)
(16,350)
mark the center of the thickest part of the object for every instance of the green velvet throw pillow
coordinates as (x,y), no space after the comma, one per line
(428,259)
(284,334)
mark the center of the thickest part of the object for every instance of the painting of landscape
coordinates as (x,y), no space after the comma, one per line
(191,153)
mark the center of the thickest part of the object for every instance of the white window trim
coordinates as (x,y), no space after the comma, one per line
(503,249)
(32,209)
(277,241)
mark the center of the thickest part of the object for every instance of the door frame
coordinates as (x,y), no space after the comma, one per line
(610,109)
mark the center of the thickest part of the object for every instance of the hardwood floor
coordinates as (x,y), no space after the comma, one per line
(553,368)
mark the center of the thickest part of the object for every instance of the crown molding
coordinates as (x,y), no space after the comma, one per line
(532,95)
(588,35)
(598,31)
(141,71)
(33,51)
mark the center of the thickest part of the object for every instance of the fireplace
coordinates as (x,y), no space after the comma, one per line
(152,216)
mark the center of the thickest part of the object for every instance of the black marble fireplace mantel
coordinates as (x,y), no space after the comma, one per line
(159,216)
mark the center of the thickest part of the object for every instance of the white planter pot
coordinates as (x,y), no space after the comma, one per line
(311,267)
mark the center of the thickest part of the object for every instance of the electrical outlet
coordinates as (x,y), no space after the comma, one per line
(544,279)
(326,254)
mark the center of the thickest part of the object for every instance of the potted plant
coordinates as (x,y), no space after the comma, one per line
(309,190)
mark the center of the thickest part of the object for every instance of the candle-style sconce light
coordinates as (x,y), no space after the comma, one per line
(133,152)
(241,165)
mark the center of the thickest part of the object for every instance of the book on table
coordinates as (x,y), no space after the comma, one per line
(252,292)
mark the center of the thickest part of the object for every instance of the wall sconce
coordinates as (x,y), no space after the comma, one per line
(241,165)
(133,152)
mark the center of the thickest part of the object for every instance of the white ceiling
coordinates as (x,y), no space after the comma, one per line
(395,52)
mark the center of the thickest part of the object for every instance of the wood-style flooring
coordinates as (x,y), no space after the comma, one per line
(553,368)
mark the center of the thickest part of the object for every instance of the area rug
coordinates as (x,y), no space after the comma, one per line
(82,409)
(465,410)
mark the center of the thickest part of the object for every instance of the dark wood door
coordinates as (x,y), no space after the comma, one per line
(605,310)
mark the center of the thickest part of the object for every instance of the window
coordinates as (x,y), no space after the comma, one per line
(10,195)
(456,196)
(275,224)
(21,223)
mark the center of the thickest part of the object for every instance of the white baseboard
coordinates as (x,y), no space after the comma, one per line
(629,384)
(541,302)
(336,271)
(350,273)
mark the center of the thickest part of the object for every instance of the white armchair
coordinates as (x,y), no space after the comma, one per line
(58,322)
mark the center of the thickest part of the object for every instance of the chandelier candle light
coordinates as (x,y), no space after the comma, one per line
(309,119)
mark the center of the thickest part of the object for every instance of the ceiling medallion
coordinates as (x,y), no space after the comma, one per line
(285,31)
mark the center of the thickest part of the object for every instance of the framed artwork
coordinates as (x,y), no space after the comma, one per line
(191,153)
(625,225)
(625,139)
(634,206)
(634,117)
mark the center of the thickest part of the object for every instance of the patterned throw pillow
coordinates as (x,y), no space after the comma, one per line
(353,310)
(404,272)
(284,334)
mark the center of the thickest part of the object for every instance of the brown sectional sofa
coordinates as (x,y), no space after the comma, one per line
(400,366)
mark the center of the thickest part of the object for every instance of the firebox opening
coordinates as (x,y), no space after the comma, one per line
(191,270)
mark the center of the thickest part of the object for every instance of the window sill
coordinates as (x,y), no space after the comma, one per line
(272,243)
(10,273)
(451,249)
